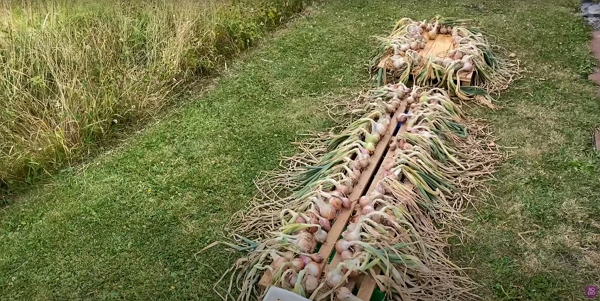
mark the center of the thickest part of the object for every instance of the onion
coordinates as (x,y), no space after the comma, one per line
(363,201)
(313,220)
(433,34)
(310,283)
(334,277)
(289,255)
(336,203)
(447,61)
(298,264)
(313,268)
(325,209)
(402,117)
(344,294)
(278,262)
(422,44)
(321,236)
(443,30)
(342,245)
(306,259)
(292,279)
(316,257)
(370,146)
(414,45)
(367,209)
(346,203)
(468,67)
(398,63)
(364,163)
(395,104)
(344,189)
(325,224)
(347,255)
(300,220)
(404,47)
(305,242)
(458,55)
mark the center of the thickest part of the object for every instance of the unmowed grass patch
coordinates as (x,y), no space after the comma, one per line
(75,72)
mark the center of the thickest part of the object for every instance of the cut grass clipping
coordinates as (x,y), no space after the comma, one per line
(399,58)
(398,232)
(74,71)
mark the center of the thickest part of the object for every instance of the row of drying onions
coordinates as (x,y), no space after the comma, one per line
(394,225)
(324,190)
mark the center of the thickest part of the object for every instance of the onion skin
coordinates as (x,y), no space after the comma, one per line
(347,255)
(298,264)
(313,268)
(310,283)
(321,236)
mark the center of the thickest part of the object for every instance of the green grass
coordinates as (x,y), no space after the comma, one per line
(127,225)
(74,73)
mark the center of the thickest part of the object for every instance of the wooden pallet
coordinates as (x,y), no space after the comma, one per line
(367,183)
(439,48)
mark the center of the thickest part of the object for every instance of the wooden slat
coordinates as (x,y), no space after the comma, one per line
(440,47)
(344,215)
(367,283)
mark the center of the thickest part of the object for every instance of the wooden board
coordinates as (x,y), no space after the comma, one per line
(439,48)
(367,283)
(359,189)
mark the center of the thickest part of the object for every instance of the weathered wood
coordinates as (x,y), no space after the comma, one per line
(367,283)
(439,48)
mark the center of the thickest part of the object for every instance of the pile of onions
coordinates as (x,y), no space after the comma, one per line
(471,53)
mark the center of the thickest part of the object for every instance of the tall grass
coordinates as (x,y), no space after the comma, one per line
(70,71)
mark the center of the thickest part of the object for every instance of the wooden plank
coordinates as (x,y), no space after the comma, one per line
(439,48)
(368,284)
(344,215)
(391,128)
(342,219)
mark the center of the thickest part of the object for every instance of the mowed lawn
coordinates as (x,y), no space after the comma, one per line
(128,225)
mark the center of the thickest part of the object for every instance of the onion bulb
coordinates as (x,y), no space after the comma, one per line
(398,63)
(334,277)
(278,262)
(443,30)
(468,67)
(342,245)
(344,294)
(321,236)
(402,117)
(325,224)
(336,203)
(458,55)
(370,146)
(346,203)
(414,45)
(325,209)
(404,47)
(293,279)
(367,209)
(298,264)
(313,268)
(310,283)
(347,255)
(364,201)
